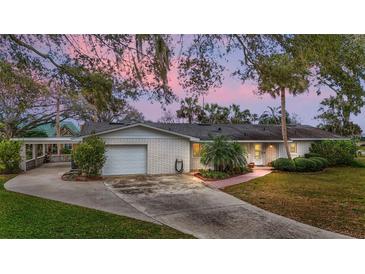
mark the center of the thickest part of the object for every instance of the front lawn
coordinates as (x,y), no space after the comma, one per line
(333,199)
(361,159)
(25,217)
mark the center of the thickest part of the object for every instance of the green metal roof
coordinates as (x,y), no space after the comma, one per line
(50,128)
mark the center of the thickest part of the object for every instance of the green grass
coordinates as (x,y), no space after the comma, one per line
(361,159)
(333,199)
(26,217)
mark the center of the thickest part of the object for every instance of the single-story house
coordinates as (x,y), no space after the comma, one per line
(153,148)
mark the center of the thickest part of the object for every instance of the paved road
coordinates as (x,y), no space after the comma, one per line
(181,202)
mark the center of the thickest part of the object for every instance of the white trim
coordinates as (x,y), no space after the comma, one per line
(191,138)
(249,141)
(48,140)
(319,139)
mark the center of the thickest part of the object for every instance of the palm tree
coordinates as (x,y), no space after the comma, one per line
(223,154)
(189,109)
(271,116)
(278,74)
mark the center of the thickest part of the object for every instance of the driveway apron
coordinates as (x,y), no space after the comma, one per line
(184,203)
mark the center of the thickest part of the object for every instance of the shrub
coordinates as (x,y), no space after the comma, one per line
(305,164)
(65,150)
(324,161)
(283,164)
(319,165)
(89,156)
(10,156)
(223,155)
(211,174)
(337,152)
(311,155)
(357,163)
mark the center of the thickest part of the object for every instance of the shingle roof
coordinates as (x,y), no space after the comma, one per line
(232,131)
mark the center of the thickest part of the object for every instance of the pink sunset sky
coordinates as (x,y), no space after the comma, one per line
(305,105)
(233,91)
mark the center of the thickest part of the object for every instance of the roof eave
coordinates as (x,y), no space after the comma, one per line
(191,138)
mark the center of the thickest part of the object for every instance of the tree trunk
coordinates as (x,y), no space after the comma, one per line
(58,125)
(284,129)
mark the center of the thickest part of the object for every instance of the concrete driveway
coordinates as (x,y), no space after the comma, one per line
(179,201)
(45,182)
(184,203)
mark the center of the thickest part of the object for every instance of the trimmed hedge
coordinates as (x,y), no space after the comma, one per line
(318,163)
(301,164)
(305,164)
(311,155)
(324,161)
(283,164)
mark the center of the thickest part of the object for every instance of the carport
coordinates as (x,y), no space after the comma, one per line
(34,150)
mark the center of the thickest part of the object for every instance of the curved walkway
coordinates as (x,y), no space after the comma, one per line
(179,201)
(256,173)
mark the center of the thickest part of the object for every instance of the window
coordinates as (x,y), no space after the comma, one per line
(39,150)
(67,146)
(29,151)
(52,149)
(197,148)
(258,151)
(293,147)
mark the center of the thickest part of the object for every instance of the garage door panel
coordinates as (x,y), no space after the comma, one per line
(123,160)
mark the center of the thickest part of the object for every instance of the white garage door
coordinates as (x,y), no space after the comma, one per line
(123,160)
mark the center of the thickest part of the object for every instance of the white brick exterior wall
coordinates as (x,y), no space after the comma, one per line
(279,151)
(162,149)
(302,148)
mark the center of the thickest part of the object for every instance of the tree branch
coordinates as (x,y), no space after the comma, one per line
(31,48)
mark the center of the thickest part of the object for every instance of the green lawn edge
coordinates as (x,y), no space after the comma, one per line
(333,199)
(27,217)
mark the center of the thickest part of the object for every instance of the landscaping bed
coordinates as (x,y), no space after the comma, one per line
(27,217)
(333,199)
(75,175)
(211,175)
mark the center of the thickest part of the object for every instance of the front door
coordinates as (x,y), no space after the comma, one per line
(270,153)
(258,154)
